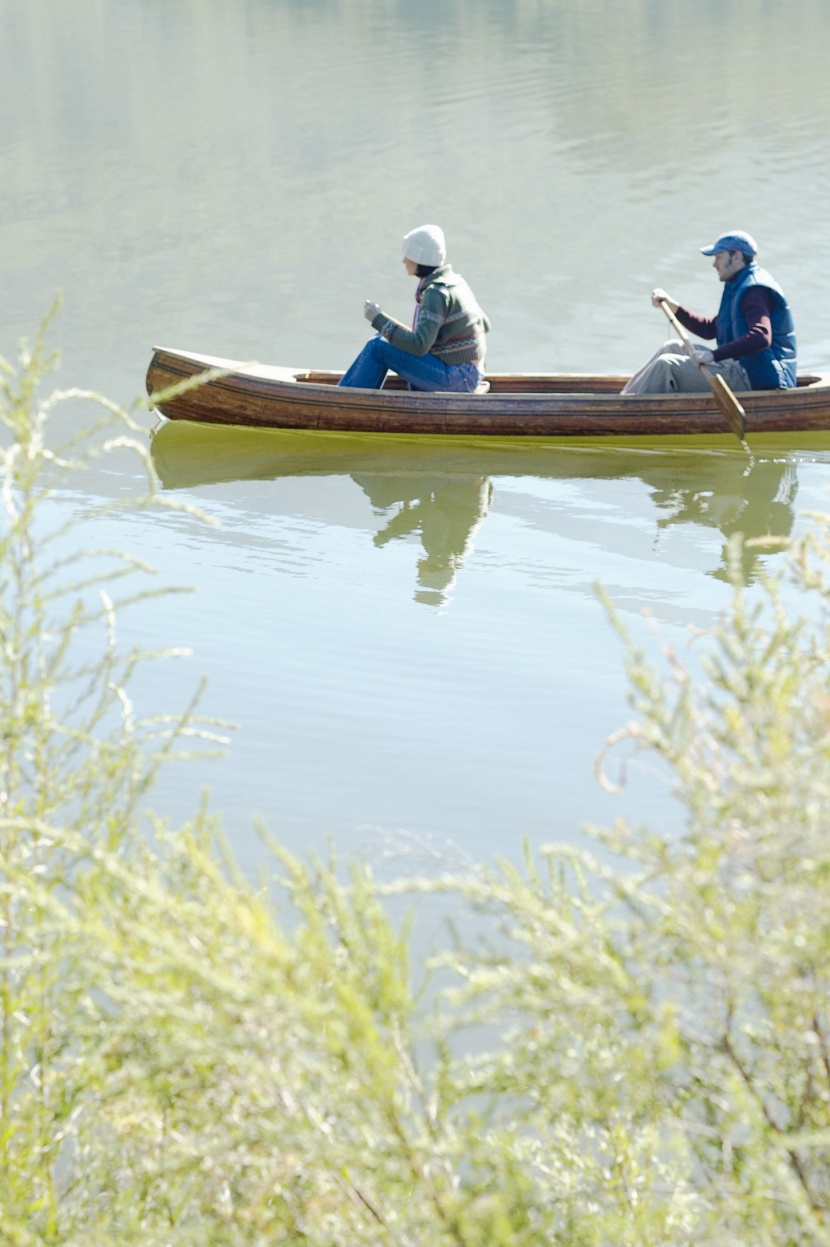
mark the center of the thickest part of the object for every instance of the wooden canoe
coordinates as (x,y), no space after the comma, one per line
(517,404)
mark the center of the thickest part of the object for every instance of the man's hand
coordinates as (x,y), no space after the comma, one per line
(659,296)
(703,356)
(370,309)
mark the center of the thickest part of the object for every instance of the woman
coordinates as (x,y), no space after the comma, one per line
(444,349)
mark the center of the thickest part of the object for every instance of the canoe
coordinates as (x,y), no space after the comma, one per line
(517,404)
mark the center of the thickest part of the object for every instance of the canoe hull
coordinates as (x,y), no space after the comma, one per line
(518,405)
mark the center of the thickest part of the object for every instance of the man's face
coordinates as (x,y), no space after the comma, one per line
(729,264)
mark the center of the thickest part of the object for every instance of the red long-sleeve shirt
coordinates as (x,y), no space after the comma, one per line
(756,307)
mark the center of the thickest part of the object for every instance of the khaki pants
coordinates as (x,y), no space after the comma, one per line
(671,370)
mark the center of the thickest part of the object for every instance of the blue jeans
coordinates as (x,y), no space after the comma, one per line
(423,372)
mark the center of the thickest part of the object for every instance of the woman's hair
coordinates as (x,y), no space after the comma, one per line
(424,270)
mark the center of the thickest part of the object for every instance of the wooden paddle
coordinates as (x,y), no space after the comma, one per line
(725,399)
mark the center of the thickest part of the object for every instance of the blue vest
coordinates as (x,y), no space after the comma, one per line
(774,367)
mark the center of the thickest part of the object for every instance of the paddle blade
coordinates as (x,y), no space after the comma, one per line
(729,405)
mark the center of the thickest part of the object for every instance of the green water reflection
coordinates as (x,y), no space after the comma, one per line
(442,492)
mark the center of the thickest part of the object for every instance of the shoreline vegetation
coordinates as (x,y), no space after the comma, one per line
(636,1051)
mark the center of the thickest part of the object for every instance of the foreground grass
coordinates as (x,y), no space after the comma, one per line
(185,1059)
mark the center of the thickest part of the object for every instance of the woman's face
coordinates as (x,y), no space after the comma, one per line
(410,266)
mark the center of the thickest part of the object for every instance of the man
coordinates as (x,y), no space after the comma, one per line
(753,329)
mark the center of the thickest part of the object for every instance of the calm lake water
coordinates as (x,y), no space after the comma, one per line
(408,632)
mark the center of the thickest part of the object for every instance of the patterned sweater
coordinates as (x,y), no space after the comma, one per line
(449,324)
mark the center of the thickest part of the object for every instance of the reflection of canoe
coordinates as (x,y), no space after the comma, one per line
(189,455)
(441,485)
(518,404)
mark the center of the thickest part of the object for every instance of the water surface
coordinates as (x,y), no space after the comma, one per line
(408,632)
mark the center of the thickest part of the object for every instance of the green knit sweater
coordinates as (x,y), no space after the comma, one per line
(450,323)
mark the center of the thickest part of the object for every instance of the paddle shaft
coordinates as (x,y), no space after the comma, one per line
(725,399)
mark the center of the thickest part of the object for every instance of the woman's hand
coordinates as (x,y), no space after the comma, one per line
(370,309)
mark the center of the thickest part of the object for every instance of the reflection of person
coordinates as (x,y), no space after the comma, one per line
(444,349)
(753,329)
(446,509)
(756,501)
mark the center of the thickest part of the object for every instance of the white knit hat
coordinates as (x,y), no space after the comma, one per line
(425,245)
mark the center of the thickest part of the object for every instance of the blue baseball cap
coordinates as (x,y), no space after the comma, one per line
(738,240)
